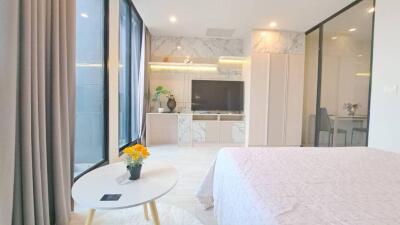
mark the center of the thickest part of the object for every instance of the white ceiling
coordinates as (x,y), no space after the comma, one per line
(196,16)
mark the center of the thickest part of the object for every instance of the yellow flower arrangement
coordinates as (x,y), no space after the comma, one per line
(136,154)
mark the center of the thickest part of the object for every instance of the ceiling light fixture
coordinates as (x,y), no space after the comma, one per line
(178,47)
(172,19)
(84,15)
(371,10)
(360,55)
(273,24)
(334,38)
(352,29)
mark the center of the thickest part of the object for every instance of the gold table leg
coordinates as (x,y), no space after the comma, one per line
(90,216)
(146,213)
(154,213)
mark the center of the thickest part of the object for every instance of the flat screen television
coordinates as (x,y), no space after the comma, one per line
(212,95)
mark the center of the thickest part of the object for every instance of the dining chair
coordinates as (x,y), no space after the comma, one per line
(326,126)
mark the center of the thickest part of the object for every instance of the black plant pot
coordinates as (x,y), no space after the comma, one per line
(134,171)
(171,103)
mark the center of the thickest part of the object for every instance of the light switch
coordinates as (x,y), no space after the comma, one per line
(391,90)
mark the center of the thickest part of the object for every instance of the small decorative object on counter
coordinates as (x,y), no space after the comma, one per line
(134,157)
(171,103)
(351,108)
(188,60)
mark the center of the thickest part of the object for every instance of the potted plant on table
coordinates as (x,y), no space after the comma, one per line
(135,155)
(160,91)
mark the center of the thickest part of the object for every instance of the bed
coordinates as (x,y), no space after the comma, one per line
(303,186)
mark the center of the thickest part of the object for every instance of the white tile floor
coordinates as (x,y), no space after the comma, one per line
(192,164)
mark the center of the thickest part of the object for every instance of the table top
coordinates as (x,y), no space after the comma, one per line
(156,180)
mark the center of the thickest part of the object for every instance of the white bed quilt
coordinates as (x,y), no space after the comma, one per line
(303,186)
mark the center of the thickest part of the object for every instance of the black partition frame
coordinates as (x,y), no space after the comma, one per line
(320,26)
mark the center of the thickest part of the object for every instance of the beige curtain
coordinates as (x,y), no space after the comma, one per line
(144,76)
(8,96)
(42,146)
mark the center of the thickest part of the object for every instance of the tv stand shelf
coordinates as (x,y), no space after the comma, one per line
(195,129)
(218,117)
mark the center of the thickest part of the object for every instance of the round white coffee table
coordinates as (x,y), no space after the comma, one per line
(156,180)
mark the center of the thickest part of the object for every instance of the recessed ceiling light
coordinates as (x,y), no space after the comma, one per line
(334,38)
(273,24)
(84,15)
(371,10)
(178,47)
(352,29)
(360,55)
(172,19)
(264,33)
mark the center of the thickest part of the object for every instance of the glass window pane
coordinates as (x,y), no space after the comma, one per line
(90,89)
(124,75)
(310,88)
(345,77)
(130,49)
(136,50)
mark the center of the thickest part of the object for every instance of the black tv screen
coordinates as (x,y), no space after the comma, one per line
(210,95)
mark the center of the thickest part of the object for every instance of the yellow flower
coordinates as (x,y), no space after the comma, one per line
(135,155)
(136,152)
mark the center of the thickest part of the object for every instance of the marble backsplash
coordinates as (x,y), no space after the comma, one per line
(201,50)
(282,42)
(196,48)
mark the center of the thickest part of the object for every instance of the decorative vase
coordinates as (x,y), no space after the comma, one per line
(171,103)
(134,171)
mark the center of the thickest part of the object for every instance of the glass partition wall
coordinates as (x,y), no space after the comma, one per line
(337,78)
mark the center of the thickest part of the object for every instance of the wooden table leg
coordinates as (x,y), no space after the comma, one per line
(146,213)
(154,213)
(90,216)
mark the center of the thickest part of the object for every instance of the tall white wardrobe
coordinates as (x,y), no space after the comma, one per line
(275,106)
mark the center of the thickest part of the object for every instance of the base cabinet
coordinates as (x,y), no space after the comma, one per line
(195,129)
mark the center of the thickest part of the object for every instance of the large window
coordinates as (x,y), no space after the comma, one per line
(91,129)
(129,53)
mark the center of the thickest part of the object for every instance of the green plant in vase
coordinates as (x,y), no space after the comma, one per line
(160,91)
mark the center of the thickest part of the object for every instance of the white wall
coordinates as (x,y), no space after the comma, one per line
(385,107)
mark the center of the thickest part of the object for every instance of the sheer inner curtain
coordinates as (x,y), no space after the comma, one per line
(144,90)
(38,96)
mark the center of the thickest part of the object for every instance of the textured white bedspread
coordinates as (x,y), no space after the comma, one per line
(304,186)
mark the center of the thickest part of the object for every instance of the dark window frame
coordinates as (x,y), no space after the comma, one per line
(132,9)
(105,161)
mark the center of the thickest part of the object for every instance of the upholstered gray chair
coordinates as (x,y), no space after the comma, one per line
(326,126)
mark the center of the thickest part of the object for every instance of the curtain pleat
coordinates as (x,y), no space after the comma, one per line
(45,113)
(9,20)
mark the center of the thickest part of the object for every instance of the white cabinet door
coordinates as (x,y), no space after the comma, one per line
(184,129)
(277,99)
(205,132)
(294,108)
(258,99)
(232,132)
